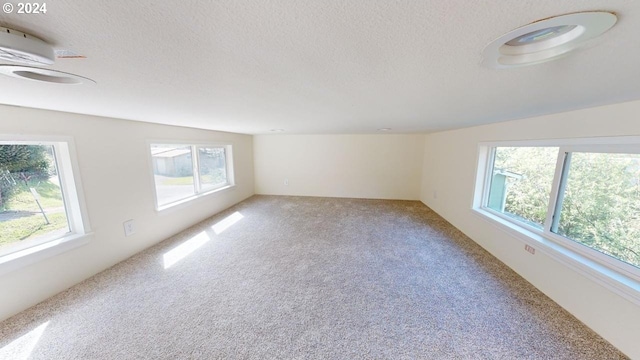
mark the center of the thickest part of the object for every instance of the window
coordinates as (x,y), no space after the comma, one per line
(39,198)
(598,203)
(213,167)
(172,172)
(182,172)
(521,182)
(585,197)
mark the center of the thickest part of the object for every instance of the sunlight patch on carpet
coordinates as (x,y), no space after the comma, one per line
(226,223)
(183,250)
(21,348)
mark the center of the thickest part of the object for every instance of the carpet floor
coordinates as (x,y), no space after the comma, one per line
(306,278)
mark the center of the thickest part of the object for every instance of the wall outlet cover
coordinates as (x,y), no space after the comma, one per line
(530,249)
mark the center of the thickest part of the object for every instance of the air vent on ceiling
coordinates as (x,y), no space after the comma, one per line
(23,48)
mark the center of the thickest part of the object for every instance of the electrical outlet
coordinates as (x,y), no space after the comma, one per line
(435,194)
(286,182)
(530,249)
(129,228)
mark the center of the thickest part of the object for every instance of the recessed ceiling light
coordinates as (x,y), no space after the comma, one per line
(547,39)
(43,75)
(384,129)
(276,130)
(23,48)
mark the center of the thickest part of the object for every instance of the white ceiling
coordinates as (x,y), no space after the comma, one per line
(325,66)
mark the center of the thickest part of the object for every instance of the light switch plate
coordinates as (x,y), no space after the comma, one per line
(129,228)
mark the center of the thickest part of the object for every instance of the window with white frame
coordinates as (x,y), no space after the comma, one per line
(584,196)
(39,198)
(182,172)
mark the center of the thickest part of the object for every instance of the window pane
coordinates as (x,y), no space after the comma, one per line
(213,167)
(173,172)
(32,208)
(601,205)
(521,181)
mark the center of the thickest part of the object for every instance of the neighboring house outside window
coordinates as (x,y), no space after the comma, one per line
(185,171)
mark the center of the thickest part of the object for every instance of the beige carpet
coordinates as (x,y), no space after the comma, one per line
(306,278)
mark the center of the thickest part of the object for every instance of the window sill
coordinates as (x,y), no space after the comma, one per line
(181,203)
(620,284)
(32,255)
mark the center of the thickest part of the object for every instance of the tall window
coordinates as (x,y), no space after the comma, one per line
(38,196)
(584,197)
(185,171)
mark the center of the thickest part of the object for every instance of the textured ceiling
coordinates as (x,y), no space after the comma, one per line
(330,66)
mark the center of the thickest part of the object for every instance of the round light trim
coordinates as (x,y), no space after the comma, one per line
(547,39)
(19,47)
(540,35)
(43,75)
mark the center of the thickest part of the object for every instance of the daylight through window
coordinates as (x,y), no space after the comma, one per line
(37,204)
(599,203)
(184,171)
(586,198)
(521,182)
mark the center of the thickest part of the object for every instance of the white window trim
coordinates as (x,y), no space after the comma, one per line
(181,203)
(615,275)
(229,162)
(71,184)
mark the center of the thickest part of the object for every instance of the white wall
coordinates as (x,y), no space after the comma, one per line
(116,176)
(367,166)
(357,166)
(449,171)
